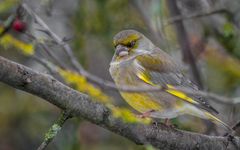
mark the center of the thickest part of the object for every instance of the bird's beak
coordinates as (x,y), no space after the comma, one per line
(121,51)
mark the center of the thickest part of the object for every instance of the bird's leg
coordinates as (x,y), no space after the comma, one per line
(145,114)
(167,122)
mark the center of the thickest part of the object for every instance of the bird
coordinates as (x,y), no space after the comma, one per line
(137,62)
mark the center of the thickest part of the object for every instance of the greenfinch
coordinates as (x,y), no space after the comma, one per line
(137,62)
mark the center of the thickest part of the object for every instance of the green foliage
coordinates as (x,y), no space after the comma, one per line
(149,147)
(228,30)
(230,39)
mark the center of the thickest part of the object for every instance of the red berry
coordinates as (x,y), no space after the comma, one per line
(19,25)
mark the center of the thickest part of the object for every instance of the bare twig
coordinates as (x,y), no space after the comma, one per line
(46,49)
(157,35)
(53,70)
(56,38)
(52,55)
(78,67)
(236,126)
(204,13)
(55,128)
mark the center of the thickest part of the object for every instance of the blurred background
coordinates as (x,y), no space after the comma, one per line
(209,28)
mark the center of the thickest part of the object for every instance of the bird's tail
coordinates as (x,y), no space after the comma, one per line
(206,115)
(215,120)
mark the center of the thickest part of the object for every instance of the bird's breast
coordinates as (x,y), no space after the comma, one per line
(124,75)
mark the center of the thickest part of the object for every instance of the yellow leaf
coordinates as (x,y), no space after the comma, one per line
(9,41)
(128,116)
(84,86)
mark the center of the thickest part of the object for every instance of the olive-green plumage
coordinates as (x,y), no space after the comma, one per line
(138,62)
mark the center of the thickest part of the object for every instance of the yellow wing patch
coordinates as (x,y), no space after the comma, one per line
(141,102)
(145,77)
(180,94)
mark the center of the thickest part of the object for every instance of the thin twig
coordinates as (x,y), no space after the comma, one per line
(204,13)
(55,128)
(52,55)
(157,35)
(56,38)
(46,50)
(236,126)
(50,67)
(77,66)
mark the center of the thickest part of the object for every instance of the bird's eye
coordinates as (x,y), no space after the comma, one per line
(131,44)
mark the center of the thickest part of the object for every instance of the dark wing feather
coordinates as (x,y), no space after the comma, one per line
(179,80)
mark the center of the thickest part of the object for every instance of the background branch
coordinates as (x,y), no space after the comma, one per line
(157,35)
(184,42)
(194,15)
(53,131)
(67,49)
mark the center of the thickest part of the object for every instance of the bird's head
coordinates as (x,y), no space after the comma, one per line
(129,44)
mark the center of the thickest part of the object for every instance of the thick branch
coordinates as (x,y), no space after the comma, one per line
(81,105)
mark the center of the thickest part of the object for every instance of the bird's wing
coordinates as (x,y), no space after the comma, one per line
(158,68)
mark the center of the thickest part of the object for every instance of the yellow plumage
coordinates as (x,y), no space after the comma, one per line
(141,102)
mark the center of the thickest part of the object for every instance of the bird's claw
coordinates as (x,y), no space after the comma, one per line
(145,114)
